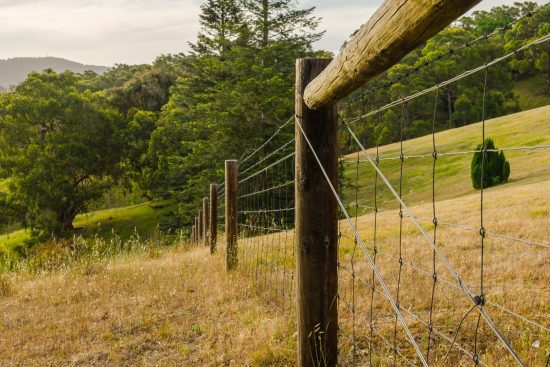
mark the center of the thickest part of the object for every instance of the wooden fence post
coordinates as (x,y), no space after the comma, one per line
(196,240)
(316,224)
(213,217)
(231,225)
(193,235)
(206,220)
(201,225)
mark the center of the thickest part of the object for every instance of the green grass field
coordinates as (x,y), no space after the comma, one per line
(141,219)
(523,129)
(531,93)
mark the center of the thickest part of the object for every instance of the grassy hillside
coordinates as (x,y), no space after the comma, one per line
(532,93)
(141,219)
(182,308)
(527,128)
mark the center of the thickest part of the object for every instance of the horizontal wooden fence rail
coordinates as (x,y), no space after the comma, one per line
(397,28)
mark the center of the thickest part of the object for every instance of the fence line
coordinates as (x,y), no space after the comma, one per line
(467,152)
(404,295)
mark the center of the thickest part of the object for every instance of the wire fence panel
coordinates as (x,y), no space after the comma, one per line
(460,268)
(431,272)
(266,220)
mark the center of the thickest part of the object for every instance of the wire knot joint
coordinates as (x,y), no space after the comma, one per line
(479,300)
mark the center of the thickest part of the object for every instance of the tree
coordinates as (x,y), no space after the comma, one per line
(280,20)
(221,24)
(483,21)
(61,148)
(536,59)
(455,50)
(495,167)
(241,84)
(148,89)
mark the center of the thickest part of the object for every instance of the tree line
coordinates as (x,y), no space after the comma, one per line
(462,46)
(165,129)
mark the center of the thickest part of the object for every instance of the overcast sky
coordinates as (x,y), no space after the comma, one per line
(104,32)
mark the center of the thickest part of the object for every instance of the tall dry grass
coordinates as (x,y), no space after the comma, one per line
(179,308)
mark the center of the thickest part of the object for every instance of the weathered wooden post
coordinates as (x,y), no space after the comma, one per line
(196,229)
(206,220)
(213,217)
(193,235)
(231,225)
(316,224)
(201,225)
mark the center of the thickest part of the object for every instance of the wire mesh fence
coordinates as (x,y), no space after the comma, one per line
(459,267)
(266,219)
(431,272)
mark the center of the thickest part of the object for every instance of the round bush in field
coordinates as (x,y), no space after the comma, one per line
(495,167)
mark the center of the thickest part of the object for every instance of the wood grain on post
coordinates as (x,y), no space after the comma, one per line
(206,220)
(316,225)
(213,217)
(397,28)
(231,225)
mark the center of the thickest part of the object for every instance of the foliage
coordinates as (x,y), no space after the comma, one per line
(166,128)
(241,84)
(221,25)
(458,103)
(489,167)
(61,148)
(537,60)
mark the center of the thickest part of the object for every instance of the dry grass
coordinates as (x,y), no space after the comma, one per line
(181,309)
(517,277)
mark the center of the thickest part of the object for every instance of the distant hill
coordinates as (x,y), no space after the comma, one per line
(14,71)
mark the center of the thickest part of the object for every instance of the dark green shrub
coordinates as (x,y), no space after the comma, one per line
(496,169)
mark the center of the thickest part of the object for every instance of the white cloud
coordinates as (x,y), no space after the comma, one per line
(136,31)
(102,32)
